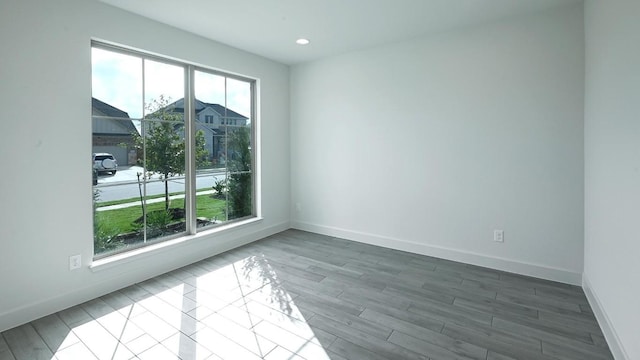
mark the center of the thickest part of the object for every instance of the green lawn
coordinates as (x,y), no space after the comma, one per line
(137,199)
(122,221)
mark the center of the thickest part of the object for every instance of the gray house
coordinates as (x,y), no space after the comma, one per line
(112,132)
(214,120)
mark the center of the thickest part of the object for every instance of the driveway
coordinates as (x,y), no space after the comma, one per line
(124,173)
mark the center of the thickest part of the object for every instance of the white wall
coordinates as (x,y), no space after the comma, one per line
(46,185)
(612,171)
(429,145)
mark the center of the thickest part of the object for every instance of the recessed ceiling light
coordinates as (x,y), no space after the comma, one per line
(302,41)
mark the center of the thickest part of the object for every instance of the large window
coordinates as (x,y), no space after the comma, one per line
(172,149)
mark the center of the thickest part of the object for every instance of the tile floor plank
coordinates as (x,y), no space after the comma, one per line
(564,350)
(352,351)
(343,331)
(496,307)
(221,345)
(365,297)
(599,340)
(392,315)
(572,320)
(418,292)
(75,352)
(541,331)
(247,338)
(496,356)
(5,352)
(453,352)
(446,312)
(498,286)
(55,333)
(26,344)
(455,289)
(538,302)
(500,342)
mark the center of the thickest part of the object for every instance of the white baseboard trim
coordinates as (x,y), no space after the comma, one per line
(43,307)
(522,268)
(609,332)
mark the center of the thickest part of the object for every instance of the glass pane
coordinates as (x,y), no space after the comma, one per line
(209,107)
(114,189)
(239,100)
(240,182)
(163,91)
(117,215)
(162,150)
(239,149)
(210,88)
(240,195)
(116,101)
(117,82)
(210,148)
(164,185)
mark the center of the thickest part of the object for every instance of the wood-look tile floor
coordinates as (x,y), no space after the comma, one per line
(298,295)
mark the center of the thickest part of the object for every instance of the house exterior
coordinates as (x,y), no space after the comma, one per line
(112,132)
(215,121)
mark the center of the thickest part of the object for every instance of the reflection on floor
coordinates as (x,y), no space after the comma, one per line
(297,295)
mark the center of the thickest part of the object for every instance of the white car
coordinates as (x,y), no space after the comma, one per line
(105,162)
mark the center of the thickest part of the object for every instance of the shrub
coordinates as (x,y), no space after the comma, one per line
(219,187)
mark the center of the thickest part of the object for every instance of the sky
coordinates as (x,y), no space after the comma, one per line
(117,79)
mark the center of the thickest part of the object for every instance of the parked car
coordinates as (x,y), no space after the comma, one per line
(105,162)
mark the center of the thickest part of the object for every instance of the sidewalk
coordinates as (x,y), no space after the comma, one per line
(149,201)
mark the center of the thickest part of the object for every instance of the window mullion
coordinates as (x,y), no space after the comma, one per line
(226,150)
(254,146)
(143,129)
(190,150)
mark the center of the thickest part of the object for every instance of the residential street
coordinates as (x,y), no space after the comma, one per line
(124,184)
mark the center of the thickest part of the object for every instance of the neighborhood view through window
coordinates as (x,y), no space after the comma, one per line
(167,159)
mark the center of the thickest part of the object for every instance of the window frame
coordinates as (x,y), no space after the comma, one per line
(191,171)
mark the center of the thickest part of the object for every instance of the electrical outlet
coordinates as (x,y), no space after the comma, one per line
(75,262)
(498,235)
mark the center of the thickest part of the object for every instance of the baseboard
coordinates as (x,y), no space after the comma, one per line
(43,307)
(522,268)
(608,330)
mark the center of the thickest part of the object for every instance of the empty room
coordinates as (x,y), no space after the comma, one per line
(307,179)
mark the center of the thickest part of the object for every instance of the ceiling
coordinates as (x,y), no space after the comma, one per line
(270,27)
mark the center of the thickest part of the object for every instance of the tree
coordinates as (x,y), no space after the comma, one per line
(239,166)
(162,145)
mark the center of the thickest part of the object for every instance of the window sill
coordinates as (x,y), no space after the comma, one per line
(164,246)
